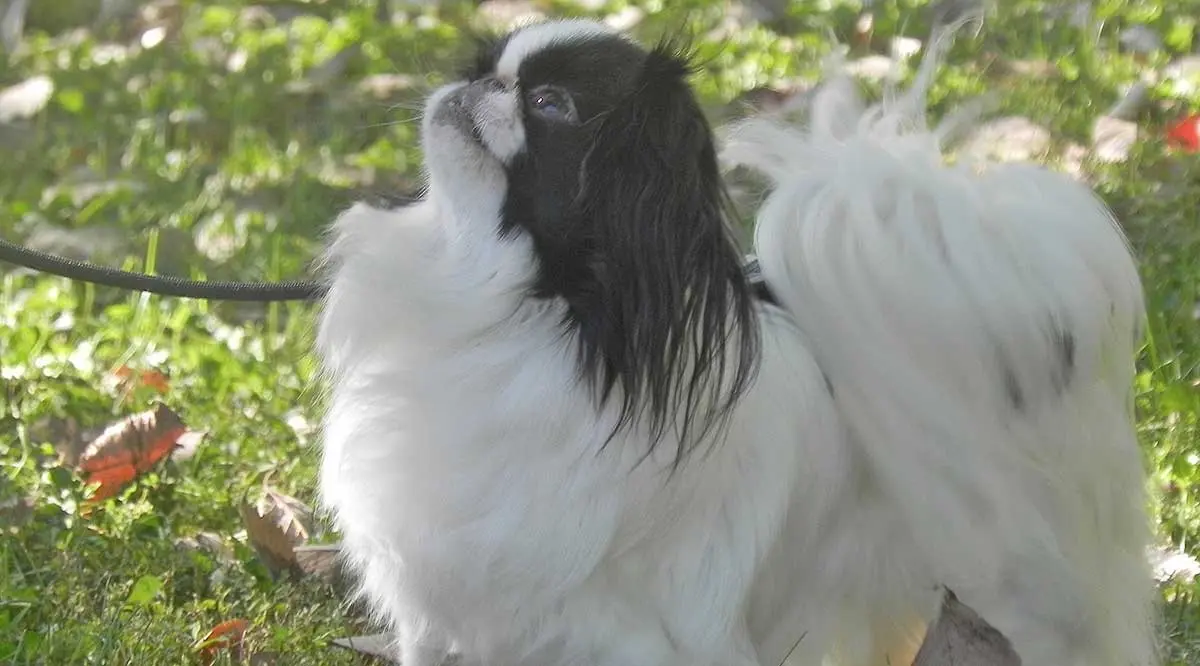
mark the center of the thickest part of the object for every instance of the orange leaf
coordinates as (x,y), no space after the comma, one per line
(128,449)
(227,635)
(129,380)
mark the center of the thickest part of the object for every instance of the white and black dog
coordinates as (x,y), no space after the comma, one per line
(565,429)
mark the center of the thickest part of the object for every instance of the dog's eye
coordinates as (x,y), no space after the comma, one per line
(552,103)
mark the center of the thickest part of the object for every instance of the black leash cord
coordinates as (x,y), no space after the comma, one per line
(209,290)
(213,290)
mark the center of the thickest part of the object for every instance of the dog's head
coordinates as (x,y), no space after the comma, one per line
(597,150)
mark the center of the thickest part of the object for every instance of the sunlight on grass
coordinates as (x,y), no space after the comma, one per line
(223,145)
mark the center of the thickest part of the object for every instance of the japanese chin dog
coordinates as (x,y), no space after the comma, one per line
(566,427)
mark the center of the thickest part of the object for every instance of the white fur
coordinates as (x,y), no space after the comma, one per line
(465,464)
(498,119)
(912,279)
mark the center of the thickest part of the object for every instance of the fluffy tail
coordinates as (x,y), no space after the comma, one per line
(978,324)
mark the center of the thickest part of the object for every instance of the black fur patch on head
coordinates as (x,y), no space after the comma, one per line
(628,216)
(545,179)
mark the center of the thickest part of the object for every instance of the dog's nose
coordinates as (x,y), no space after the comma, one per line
(490,84)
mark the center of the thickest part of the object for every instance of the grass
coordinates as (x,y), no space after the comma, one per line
(216,152)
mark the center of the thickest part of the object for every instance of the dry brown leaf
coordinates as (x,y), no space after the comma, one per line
(321,560)
(960,637)
(129,448)
(275,526)
(208,543)
(375,645)
(65,433)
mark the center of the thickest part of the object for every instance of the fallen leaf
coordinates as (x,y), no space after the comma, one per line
(961,636)
(65,434)
(227,635)
(274,527)
(1113,139)
(320,560)
(187,444)
(128,449)
(375,645)
(129,380)
(209,543)
(1185,134)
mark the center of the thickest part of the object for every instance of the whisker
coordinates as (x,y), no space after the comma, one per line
(391,123)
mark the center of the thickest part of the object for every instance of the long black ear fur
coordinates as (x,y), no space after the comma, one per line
(671,328)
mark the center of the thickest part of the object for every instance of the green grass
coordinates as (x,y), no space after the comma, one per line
(218,165)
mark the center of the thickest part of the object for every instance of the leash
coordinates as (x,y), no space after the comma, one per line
(209,290)
(214,290)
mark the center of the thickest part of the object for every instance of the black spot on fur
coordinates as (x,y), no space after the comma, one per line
(1012,388)
(1064,347)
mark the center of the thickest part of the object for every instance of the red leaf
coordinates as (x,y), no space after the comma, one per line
(129,381)
(1185,134)
(128,449)
(227,635)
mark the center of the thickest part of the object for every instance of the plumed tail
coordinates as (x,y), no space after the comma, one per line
(978,324)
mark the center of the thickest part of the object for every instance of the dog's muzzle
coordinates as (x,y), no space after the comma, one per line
(459,107)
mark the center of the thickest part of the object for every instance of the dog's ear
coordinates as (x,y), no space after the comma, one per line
(671,330)
(480,60)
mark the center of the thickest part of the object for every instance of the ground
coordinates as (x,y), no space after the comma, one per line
(216,139)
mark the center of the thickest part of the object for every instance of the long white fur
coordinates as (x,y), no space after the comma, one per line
(464,463)
(913,280)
